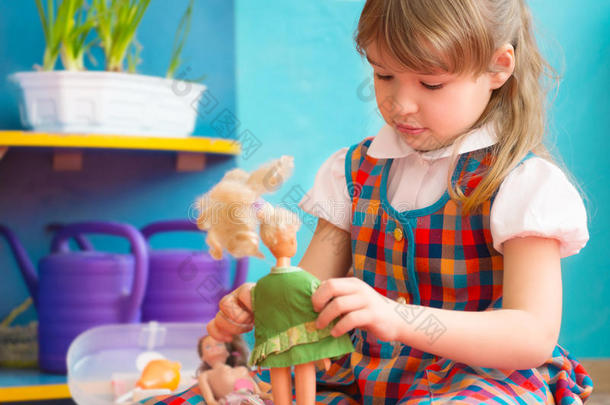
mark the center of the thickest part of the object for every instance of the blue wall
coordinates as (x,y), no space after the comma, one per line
(299,89)
(580,119)
(132,187)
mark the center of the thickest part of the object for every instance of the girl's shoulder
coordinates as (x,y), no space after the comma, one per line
(328,198)
(535,171)
(537,198)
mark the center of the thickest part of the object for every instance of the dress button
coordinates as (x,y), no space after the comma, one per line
(398,234)
(401,300)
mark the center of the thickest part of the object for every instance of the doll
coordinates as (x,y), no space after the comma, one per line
(223,378)
(228,211)
(284,319)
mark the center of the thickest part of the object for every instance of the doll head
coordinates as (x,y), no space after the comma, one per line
(228,212)
(279,228)
(212,351)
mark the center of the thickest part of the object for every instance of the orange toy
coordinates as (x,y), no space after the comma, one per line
(160,373)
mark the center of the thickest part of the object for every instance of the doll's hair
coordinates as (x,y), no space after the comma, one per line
(229,211)
(276,220)
(238,353)
(461,36)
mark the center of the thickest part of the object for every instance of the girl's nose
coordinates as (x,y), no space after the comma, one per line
(404,101)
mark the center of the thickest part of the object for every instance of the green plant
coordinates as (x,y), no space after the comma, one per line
(182,32)
(116,27)
(77,30)
(64,27)
(133,55)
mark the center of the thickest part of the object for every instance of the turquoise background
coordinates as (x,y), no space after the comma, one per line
(291,74)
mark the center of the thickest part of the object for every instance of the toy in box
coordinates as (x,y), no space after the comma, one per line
(121,364)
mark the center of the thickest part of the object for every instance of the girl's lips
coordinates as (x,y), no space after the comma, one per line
(406,129)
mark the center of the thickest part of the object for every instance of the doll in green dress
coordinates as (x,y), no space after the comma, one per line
(284,319)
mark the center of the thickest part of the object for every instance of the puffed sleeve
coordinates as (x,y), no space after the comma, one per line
(537,199)
(328,198)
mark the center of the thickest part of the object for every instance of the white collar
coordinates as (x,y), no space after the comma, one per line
(389,145)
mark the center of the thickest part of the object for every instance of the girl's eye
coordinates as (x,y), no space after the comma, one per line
(383,77)
(432,86)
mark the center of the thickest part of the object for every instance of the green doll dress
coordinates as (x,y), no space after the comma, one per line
(284,321)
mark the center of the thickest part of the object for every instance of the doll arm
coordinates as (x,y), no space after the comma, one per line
(206,391)
(257,390)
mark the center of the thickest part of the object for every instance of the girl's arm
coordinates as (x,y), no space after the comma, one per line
(521,335)
(329,254)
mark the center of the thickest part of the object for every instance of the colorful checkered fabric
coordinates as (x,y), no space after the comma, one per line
(437,257)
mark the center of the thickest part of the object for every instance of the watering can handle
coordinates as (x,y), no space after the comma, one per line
(169,226)
(138,247)
(23,260)
(241,269)
(82,242)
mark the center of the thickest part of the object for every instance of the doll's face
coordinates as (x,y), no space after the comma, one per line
(213,351)
(286,244)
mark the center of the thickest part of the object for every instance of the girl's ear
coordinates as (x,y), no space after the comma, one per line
(502,65)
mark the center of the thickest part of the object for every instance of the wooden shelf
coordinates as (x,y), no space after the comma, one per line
(31,385)
(68,156)
(34,392)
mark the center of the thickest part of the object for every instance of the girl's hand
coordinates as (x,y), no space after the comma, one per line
(358,305)
(234,316)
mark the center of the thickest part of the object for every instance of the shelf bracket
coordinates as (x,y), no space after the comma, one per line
(190,162)
(67,160)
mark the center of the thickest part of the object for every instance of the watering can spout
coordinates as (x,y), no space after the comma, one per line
(23,260)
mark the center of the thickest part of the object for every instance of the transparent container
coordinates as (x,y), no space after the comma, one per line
(100,356)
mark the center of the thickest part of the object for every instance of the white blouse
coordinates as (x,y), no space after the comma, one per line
(535,199)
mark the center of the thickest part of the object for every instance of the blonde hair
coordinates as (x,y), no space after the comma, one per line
(461,36)
(276,220)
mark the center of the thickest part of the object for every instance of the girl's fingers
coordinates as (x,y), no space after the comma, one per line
(227,328)
(234,310)
(213,331)
(337,307)
(330,289)
(350,321)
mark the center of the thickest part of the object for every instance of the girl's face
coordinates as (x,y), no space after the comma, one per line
(213,351)
(428,111)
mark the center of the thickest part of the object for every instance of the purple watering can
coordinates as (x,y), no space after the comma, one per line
(185,285)
(75,291)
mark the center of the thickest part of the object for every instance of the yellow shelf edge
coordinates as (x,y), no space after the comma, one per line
(195,144)
(34,392)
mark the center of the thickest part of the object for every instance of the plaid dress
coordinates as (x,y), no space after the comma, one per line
(433,257)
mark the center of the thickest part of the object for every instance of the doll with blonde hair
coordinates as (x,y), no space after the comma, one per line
(284,318)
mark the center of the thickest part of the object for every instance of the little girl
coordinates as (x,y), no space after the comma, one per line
(454,223)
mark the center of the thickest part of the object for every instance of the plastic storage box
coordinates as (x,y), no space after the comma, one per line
(101,356)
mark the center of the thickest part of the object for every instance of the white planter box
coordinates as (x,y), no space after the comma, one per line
(107,103)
